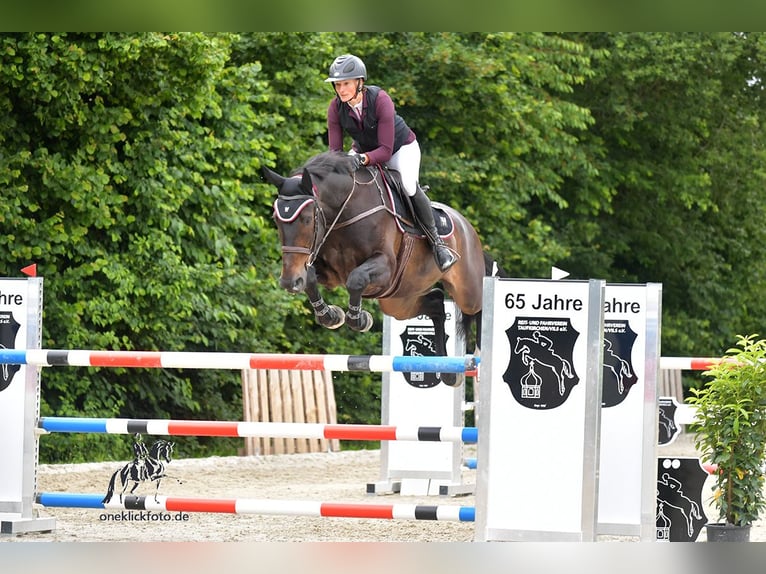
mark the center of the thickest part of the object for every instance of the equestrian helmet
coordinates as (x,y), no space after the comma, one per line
(347,67)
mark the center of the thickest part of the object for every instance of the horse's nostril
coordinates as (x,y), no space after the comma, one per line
(295,285)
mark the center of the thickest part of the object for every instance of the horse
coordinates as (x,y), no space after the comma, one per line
(150,466)
(342,228)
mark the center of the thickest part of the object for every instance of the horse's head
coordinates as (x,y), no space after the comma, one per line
(162,450)
(295,214)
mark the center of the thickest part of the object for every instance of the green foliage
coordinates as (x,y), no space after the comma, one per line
(730,429)
(677,141)
(128,164)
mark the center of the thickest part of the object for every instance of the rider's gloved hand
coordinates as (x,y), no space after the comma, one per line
(357,160)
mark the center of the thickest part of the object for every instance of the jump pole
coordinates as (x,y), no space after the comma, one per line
(452,513)
(257,429)
(234,361)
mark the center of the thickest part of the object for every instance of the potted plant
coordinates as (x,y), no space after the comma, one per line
(730,433)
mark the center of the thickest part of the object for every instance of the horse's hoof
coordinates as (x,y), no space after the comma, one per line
(451,379)
(361,322)
(333,318)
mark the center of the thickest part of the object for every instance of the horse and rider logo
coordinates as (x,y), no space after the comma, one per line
(541,371)
(147,464)
(619,375)
(680,514)
(419,341)
(9,328)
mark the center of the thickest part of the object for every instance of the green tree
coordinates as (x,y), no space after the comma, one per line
(126,162)
(679,144)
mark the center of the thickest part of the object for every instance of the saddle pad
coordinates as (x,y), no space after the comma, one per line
(444,224)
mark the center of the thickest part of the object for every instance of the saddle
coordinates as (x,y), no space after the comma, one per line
(402,206)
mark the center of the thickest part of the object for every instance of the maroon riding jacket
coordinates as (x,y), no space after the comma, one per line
(379,133)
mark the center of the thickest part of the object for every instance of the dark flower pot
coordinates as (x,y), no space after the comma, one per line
(720,532)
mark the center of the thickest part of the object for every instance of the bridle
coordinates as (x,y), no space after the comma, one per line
(322,231)
(320,222)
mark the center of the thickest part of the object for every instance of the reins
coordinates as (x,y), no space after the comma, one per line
(381,207)
(317,244)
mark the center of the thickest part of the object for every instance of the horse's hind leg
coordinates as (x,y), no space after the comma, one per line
(329,316)
(432,305)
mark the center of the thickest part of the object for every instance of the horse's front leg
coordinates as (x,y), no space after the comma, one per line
(375,270)
(330,316)
(157,490)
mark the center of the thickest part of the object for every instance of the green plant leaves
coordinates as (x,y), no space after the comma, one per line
(730,428)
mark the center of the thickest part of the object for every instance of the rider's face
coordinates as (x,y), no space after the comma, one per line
(346,90)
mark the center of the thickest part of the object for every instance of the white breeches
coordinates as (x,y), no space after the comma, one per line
(407,162)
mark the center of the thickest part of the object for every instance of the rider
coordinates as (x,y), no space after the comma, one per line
(381,137)
(140,452)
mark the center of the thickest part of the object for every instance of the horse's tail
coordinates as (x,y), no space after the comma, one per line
(110,490)
(464,324)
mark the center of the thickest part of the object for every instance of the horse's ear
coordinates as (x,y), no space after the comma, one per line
(271,176)
(307,184)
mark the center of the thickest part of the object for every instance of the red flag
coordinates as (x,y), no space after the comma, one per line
(30,270)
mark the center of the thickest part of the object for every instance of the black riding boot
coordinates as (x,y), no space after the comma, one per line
(444,256)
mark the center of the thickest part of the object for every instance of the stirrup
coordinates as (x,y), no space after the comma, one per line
(444,256)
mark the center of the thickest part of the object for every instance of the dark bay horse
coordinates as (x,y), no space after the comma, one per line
(341,229)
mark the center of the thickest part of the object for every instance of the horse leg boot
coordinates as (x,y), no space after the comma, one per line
(421,205)
(329,316)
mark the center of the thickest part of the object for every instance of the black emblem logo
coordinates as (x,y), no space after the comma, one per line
(619,375)
(680,515)
(668,430)
(419,341)
(8,330)
(540,371)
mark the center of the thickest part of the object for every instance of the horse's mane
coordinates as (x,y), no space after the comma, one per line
(326,163)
